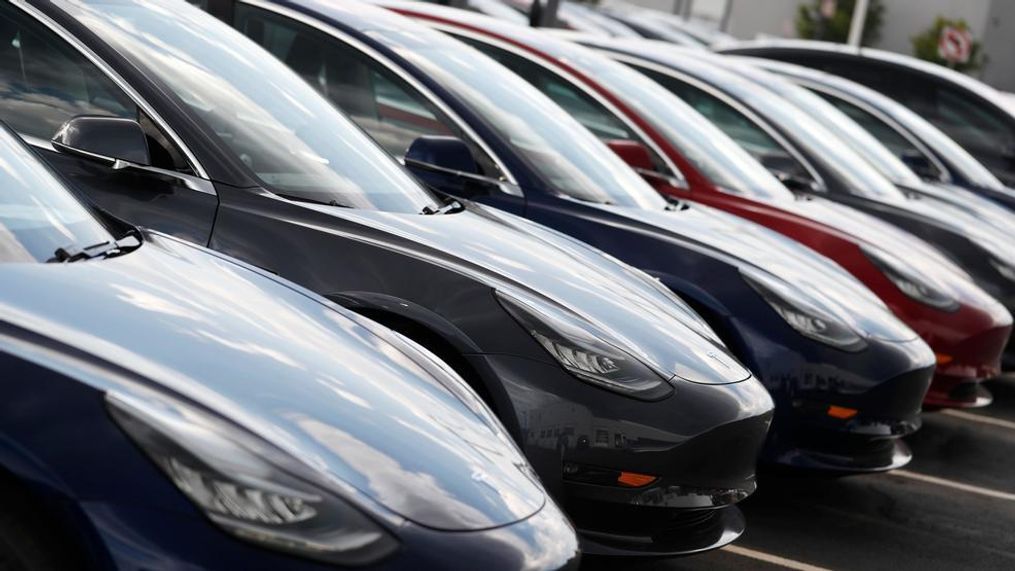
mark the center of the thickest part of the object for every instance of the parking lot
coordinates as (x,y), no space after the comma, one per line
(953,507)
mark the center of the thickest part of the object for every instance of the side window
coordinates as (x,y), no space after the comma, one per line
(44,82)
(883,132)
(585,109)
(873,125)
(985,133)
(738,126)
(970,122)
(379,101)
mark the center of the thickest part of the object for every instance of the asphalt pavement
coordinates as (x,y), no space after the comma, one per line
(952,508)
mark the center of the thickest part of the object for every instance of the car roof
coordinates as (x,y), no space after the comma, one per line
(938,71)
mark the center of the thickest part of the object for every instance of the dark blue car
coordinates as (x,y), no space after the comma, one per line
(167,407)
(817,338)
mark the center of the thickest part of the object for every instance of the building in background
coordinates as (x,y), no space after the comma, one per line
(992,23)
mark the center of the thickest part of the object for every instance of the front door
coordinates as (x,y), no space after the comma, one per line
(45,81)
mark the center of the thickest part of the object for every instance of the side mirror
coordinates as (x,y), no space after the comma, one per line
(633,153)
(447,165)
(117,142)
(444,153)
(920,164)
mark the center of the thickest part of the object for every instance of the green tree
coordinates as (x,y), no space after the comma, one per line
(925,45)
(810,23)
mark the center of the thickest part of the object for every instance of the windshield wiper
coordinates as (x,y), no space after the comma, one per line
(108,249)
(296,198)
(453,206)
(675,204)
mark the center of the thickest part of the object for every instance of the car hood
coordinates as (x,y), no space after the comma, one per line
(985,223)
(515,255)
(337,392)
(750,246)
(867,230)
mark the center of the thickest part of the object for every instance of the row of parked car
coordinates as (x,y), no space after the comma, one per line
(408,286)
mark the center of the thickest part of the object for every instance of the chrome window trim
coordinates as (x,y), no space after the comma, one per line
(754,118)
(571,80)
(894,125)
(111,74)
(386,63)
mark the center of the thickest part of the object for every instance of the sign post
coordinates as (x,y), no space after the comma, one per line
(857,23)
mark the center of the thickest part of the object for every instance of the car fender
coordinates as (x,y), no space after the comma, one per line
(439,336)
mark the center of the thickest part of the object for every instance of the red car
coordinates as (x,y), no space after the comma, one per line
(686,157)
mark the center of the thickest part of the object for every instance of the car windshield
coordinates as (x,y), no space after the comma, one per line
(38,214)
(710,150)
(848,130)
(564,153)
(287,134)
(821,143)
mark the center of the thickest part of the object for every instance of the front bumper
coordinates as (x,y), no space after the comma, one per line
(139,538)
(841,453)
(837,411)
(659,533)
(963,366)
(695,451)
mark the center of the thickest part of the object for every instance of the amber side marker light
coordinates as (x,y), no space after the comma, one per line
(841,412)
(635,480)
(943,359)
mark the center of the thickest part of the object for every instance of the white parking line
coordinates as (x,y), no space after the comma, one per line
(980,418)
(773,559)
(954,485)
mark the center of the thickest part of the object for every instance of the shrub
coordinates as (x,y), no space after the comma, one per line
(810,24)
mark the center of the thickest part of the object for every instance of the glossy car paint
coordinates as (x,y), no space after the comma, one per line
(435,278)
(695,250)
(969,342)
(982,248)
(400,435)
(973,212)
(918,83)
(950,163)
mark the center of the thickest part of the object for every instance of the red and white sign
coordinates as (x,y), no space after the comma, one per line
(955,45)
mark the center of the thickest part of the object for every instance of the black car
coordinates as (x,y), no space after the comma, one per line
(969,111)
(166,407)
(963,206)
(621,397)
(927,150)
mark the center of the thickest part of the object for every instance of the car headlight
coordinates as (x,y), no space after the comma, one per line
(909,282)
(583,351)
(247,487)
(804,315)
